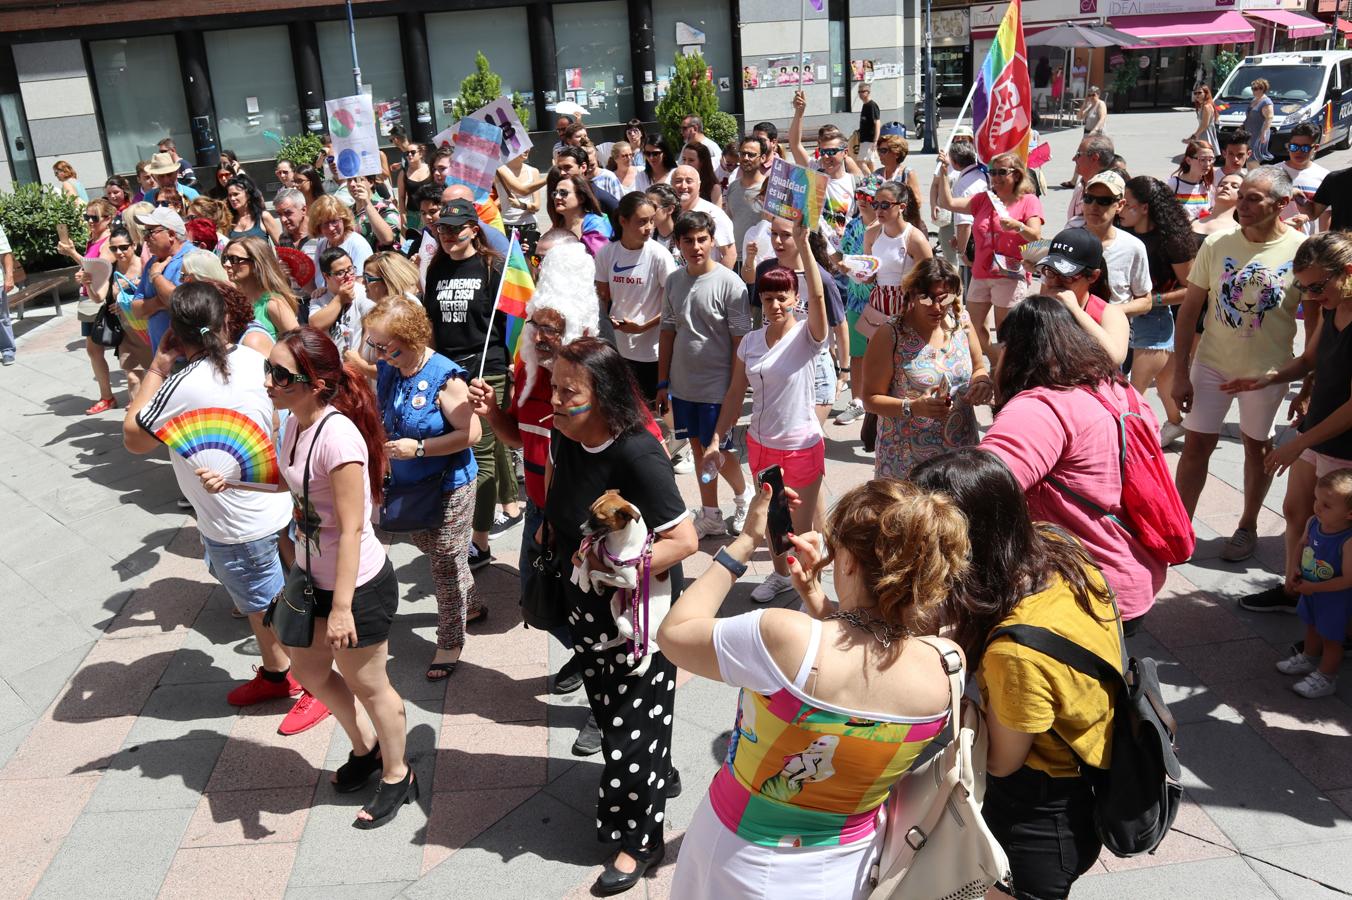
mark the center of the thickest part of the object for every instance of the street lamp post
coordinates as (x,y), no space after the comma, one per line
(352,36)
(931,144)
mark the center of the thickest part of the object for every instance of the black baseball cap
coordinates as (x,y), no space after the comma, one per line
(1072,251)
(458,212)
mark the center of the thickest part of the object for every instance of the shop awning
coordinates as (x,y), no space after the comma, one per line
(1187,29)
(1344,26)
(1297,24)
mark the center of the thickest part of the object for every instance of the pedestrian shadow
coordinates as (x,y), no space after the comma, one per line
(168,604)
(146,556)
(107,689)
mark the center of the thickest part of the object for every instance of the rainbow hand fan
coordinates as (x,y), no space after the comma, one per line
(861,268)
(224,441)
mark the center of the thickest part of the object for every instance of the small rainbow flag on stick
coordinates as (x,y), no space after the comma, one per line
(514,291)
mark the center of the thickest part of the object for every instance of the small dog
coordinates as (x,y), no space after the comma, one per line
(617,527)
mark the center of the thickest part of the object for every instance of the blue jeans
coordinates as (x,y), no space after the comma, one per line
(7,345)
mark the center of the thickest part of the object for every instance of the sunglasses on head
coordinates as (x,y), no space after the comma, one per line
(1095,200)
(281,376)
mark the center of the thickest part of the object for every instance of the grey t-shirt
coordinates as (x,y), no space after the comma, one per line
(741,210)
(706,313)
(1128,270)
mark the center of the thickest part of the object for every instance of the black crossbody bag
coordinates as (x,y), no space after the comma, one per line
(292,614)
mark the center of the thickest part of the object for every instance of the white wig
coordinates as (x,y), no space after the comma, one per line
(568,286)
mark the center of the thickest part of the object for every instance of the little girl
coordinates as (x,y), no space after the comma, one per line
(1325,587)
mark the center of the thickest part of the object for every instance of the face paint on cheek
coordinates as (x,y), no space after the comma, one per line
(394,354)
(577,410)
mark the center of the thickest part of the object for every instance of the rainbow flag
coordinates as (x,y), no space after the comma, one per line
(1002,101)
(514,293)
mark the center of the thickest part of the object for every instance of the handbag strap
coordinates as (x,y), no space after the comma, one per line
(305,490)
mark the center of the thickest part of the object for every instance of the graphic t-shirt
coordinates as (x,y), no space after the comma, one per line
(1194,196)
(340,443)
(637,279)
(1251,309)
(232,516)
(706,312)
(1306,181)
(838,209)
(346,330)
(459,302)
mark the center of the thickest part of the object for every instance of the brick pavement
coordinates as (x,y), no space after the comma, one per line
(125,774)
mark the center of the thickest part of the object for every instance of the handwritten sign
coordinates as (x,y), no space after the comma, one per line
(515,140)
(356,144)
(477,155)
(796,193)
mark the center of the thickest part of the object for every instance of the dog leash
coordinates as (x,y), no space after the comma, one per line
(639,596)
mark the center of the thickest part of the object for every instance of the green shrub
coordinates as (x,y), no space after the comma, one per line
(30,216)
(482,88)
(692,94)
(301,149)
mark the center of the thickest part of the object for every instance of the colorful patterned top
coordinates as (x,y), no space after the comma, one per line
(132,324)
(918,368)
(856,293)
(1321,559)
(1195,197)
(800,773)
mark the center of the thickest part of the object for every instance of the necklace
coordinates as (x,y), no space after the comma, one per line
(884,633)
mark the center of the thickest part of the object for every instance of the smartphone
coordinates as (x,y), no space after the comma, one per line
(62,232)
(945,390)
(779,523)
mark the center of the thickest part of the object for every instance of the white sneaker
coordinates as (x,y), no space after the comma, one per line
(739,514)
(1171,433)
(771,588)
(1298,664)
(710,525)
(1316,684)
(683,464)
(847,415)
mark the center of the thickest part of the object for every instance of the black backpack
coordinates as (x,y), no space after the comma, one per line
(1137,797)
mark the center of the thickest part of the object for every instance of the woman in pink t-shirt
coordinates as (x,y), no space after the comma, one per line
(1055,436)
(336,430)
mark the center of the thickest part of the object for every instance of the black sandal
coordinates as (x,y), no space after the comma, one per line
(358,770)
(448,668)
(385,805)
(480,616)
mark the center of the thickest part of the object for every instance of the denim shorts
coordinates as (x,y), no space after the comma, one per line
(251,572)
(1153,330)
(824,379)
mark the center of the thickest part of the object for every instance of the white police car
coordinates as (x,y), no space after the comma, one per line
(1313,86)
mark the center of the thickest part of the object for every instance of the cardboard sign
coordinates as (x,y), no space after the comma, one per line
(796,193)
(356,143)
(477,155)
(515,139)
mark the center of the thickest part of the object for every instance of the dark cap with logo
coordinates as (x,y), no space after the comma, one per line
(458,212)
(1074,250)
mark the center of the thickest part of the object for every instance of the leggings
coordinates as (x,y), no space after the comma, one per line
(496,483)
(447,549)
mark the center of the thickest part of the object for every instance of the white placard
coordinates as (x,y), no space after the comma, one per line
(356,144)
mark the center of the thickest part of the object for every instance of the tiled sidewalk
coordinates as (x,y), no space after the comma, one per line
(125,773)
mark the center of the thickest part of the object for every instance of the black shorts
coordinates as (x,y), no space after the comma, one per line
(645,373)
(1046,827)
(373,606)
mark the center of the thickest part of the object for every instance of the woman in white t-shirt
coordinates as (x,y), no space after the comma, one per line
(775,361)
(631,276)
(335,434)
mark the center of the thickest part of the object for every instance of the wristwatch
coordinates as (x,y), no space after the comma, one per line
(724,559)
(421,451)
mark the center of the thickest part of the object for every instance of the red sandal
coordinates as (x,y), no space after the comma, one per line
(103,405)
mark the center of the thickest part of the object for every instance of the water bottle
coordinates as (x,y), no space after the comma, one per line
(709,471)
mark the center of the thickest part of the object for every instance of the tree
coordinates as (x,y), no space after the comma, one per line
(301,149)
(29,217)
(482,88)
(691,93)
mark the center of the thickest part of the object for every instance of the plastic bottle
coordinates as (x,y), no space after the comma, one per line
(709,471)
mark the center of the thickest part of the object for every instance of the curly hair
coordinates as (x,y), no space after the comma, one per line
(911,545)
(1166,215)
(403,319)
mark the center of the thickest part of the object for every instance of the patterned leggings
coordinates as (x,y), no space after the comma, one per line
(447,549)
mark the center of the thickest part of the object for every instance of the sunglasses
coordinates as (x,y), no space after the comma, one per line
(752,154)
(829,152)
(229,261)
(281,376)
(559,194)
(1294,148)
(382,349)
(652,152)
(884,205)
(371,279)
(1316,289)
(1095,200)
(1048,272)
(93,218)
(942,300)
(119,248)
(999,173)
(548,330)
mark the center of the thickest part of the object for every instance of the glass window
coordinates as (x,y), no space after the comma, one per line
(141,97)
(591,42)
(497,33)
(709,16)
(381,56)
(254,86)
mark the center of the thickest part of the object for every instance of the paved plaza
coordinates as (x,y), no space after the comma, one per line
(125,774)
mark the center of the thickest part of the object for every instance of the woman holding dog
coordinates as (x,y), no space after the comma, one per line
(601,442)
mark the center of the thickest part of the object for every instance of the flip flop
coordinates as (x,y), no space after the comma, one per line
(103,405)
(448,668)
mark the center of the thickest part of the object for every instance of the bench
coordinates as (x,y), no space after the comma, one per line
(34,288)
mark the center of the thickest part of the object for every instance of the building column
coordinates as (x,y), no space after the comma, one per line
(642,56)
(417,76)
(309,75)
(544,64)
(192,60)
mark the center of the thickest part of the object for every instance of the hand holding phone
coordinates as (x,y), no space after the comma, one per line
(778,522)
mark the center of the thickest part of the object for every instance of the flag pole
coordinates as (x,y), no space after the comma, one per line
(492,317)
(958,121)
(802,27)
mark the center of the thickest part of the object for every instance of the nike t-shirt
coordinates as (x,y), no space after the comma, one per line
(637,279)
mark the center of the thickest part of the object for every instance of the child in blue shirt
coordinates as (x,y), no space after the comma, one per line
(1325,587)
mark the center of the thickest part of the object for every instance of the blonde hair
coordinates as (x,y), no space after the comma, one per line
(1014,161)
(203,265)
(325,209)
(266,268)
(63,170)
(1329,250)
(911,546)
(105,207)
(1340,482)
(135,230)
(399,274)
(401,318)
(214,210)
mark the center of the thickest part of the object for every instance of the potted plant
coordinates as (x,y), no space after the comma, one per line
(1125,77)
(29,217)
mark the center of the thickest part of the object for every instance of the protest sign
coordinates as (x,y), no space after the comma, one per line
(795,193)
(515,141)
(356,144)
(477,155)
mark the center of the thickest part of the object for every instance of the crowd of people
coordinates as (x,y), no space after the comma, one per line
(353,320)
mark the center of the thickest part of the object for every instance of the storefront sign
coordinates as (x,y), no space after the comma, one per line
(1161,7)
(356,143)
(948,27)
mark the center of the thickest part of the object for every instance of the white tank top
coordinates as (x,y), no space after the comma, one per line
(894,261)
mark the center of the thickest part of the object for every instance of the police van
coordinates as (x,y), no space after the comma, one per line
(1311,86)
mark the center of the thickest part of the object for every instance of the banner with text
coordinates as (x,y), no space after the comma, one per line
(796,193)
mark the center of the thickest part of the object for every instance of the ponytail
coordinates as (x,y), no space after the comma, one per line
(197,317)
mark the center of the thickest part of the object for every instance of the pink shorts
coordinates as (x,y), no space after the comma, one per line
(1323,463)
(1004,293)
(801,467)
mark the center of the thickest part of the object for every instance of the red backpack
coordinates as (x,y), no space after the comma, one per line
(1152,511)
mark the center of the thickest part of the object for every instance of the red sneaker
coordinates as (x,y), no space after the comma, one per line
(260,689)
(306,714)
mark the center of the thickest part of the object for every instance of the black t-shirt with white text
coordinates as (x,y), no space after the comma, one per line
(459,302)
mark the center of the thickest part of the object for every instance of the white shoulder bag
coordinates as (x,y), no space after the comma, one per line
(936,846)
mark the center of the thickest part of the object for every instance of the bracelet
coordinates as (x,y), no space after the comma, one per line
(845,369)
(724,559)
(1157,300)
(663,385)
